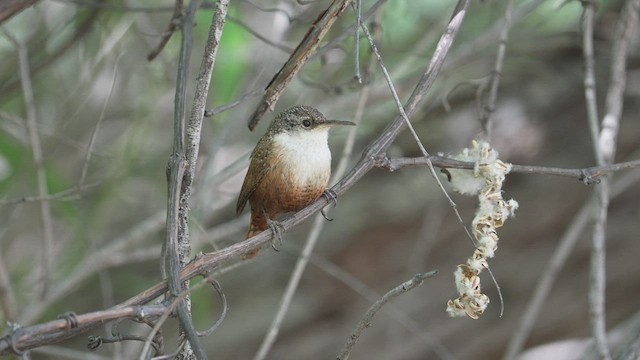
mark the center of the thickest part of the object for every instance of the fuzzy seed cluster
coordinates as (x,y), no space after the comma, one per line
(485,181)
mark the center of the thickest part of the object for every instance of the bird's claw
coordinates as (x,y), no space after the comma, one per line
(71,318)
(331,196)
(325,215)
(277,230)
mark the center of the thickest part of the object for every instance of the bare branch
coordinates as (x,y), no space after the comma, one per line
(175,303)
(298,58)
(588,175)
(407,286)
(94,133)
(490,106)
(38,161)
(173,24)
(231,105)
(69,326)
(257,35)
(8,301)
(64,195)
(605,151)
(183,162)
(216,285)
(589,9)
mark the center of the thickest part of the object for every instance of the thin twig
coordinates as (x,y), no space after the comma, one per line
(409,285)
(38,161)
(216,285)
(398,313)
(589,9)
(284,48)
(339,39)
(8,302)
(96,4)
(486,118)
(173,25)
(94,133)
(61,352)
(231,105)
(172,307)
(64,195)
(588,175)
(407,122)
(290,17)
(161,320)
(356,41)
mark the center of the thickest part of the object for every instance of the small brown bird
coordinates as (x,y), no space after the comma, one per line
(290,166)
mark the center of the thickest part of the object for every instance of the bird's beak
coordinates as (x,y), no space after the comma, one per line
(337,122)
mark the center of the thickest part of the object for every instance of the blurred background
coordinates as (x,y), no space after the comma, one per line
(104,122)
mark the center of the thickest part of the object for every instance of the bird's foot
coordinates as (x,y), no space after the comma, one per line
(71,318)
(277,230)
(331,196)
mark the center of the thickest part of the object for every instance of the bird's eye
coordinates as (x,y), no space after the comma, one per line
(306,123)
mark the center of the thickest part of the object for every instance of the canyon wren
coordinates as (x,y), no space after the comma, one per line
(290,167)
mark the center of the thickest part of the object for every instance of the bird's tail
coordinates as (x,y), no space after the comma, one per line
(258,224)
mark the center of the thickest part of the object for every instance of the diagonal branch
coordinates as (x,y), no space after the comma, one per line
(298,58)
(406,286)
(173,24)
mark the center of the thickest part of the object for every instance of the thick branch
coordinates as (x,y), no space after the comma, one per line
(71,325)
(177,234)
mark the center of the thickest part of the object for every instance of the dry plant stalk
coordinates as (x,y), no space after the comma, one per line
(486,182)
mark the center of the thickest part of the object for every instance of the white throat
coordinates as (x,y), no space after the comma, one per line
(308,151)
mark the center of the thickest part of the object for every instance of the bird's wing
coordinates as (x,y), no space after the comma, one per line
(257,170)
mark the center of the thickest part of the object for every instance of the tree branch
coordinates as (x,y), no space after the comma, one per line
(177,234)
(605,151)
(587,175)
(406,286)
(298,58)
(38,161)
